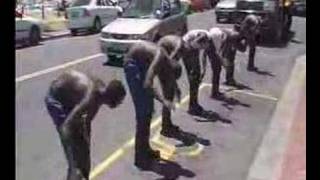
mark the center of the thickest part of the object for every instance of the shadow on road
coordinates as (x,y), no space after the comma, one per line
(170,170)
(240,86)
(263,73)
(282,44)
(215,117)
(189,139)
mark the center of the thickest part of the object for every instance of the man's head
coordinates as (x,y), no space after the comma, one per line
(201,41)
(113,94)
(250,25)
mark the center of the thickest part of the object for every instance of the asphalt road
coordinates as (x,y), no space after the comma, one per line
(39,154)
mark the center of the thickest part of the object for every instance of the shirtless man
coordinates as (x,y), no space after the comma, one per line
(144,61)
(188,48)
(72,101)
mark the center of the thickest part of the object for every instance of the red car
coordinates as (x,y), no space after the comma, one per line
(201,5)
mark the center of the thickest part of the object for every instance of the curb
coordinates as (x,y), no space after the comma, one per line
(270,155)
(49,36)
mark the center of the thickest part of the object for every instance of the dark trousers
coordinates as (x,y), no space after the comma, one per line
(135,73)
(192,65)
(252,52)
(75,143)
(216,64)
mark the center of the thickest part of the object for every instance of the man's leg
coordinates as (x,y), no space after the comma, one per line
(252,52)
(216,64)
(230,73)
(143,111)
(58,114)
(192,65)
(168,128)
(71,148)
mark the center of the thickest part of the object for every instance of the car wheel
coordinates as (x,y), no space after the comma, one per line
(97,25)
(74,32)
(34,36)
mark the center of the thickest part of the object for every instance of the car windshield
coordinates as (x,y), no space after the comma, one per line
(80,3)
(142,8)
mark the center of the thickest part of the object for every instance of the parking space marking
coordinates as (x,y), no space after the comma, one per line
(56,68)
(255,94)
(116,155)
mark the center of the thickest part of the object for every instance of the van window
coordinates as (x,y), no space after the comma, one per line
(80,3)
(142,8)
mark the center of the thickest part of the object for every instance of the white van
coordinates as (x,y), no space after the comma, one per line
(91,14)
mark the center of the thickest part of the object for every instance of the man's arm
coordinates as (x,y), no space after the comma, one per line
(177,49)
(241,44)
(151,73)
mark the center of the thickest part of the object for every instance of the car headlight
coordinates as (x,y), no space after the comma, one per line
(105,35)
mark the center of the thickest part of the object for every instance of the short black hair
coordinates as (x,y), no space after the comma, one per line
(202,37)
(114,93)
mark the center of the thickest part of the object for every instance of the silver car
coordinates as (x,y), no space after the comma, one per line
(143,20)
(225,10)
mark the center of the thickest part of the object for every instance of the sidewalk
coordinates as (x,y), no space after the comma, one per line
(282,153)
(294,166)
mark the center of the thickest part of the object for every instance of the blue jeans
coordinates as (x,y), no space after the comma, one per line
(76,149)
(56,110)
(135,72)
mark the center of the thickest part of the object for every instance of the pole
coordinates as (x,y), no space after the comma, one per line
(42,9)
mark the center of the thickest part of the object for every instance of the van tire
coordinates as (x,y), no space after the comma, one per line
(34,36)
(74,32)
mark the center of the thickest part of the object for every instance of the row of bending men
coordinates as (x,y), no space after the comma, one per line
(74,98)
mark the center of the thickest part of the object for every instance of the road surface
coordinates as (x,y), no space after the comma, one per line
(232,145)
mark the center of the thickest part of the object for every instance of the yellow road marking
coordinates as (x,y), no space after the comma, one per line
(116,155)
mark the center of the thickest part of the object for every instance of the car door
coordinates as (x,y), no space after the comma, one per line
(22,28)
(108,12)
(175,22)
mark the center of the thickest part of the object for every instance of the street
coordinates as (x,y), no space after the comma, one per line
(233,140)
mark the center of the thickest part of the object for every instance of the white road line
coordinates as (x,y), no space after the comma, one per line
(55,68)
(259,95)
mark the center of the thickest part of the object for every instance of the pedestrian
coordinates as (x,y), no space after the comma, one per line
(72,101)
(144,61)
(250,29)
(227,41)
(188,48)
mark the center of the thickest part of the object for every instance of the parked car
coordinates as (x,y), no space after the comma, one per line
(91,14)
(143,20)
(299,8)
(226,10)
(274,18)
(28,29)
